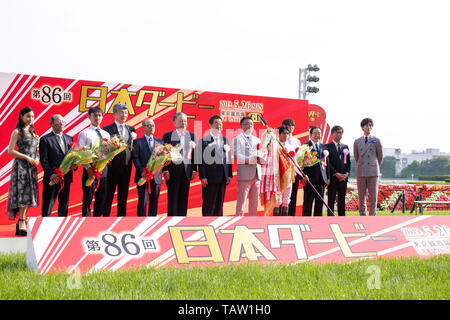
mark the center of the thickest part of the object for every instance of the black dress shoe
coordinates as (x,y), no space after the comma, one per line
(20,232)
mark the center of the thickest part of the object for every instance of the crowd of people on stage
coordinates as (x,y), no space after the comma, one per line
(214,171)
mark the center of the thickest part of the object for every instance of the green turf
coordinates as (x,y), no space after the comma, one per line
(411,278)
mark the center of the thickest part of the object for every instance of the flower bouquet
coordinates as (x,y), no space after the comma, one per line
(307,156)
(162,155)
(105,151)
(77,155)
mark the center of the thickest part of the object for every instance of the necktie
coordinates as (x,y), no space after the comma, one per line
(366,140)
(98,133)
(122,131)
(150,143)
(339,148)
(318,150)
(249,141)
(61,143)
(216,140)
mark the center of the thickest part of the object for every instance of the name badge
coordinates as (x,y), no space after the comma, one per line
(372,141)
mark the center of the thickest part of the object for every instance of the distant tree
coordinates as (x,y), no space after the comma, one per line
(388,167)
(413,168)
(352,168)
(436,166)
(430,167)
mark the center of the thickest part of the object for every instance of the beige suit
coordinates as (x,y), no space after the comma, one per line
(248,173)
(368,157)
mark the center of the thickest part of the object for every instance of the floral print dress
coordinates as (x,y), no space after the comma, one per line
(23,189)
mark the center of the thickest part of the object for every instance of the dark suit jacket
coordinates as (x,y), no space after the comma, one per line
(317,174)
(212,161)
(141,154)
(335,162)
(51,154)
(177,171)
(123,159)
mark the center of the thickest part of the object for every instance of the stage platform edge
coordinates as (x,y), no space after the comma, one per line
(13,245)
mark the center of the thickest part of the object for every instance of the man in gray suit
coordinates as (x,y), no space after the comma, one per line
(245,147)
(368,153)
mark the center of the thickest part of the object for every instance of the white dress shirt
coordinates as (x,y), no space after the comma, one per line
(125,130)
(293,142)
(250,142)
(288,146)
(60,139)
(336,145)
(89,135)
(216,139)
(182,139)
(152,145)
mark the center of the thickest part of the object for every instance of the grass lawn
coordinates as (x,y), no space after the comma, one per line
(405,278)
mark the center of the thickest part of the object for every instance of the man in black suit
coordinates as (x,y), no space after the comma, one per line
(119,171)
(52,149)
(339,166)
(318,175)
(294,144)
(143,149)
(214,169)
(178,176)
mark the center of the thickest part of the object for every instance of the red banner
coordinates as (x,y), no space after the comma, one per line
(72,98)
(89,244)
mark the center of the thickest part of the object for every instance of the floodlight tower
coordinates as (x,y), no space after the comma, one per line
(305,77)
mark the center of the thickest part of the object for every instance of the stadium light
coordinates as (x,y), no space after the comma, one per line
(305,78)
(312,89)
(311,78)
(314,68)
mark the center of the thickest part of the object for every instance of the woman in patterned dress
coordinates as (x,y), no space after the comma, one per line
(23,189)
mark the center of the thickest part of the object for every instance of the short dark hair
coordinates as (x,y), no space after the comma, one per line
(312,129)
(282,129)
(211,120)
(95,110)
(243,119)
(336,128)
(288,122)
(366,121)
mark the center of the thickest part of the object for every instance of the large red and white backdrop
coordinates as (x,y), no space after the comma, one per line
(78,244)
(72,98)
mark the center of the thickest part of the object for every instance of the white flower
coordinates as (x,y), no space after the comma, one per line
(226,147)
(133,135)
(192,144)
(346,152)
(325,153)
